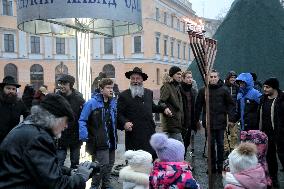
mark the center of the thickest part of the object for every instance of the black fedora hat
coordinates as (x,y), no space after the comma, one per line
(136,70)
(9,80)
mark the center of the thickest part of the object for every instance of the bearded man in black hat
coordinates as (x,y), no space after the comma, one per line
(11,107)
(271,122)
(135,108)
(28,156)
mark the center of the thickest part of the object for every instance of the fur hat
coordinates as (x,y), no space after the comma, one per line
(173,70)
(243,157)
(58,106)
(272,82)
(167,149)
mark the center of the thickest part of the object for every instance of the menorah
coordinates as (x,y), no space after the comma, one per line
(204,50)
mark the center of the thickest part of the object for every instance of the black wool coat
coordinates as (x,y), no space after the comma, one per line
(10,114)
(138,111)
(70,136)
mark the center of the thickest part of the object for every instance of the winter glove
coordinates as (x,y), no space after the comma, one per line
(84,170)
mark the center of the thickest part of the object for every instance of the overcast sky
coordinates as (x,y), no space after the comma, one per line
(210,8)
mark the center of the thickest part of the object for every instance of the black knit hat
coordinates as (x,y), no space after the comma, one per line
(67,78)
(58,106)
(272,82)
(173,70)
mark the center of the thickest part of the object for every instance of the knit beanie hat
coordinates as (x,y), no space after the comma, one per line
(167,149)
(243,157)
(139,161)
(58,106)
(272,82)
(173,70)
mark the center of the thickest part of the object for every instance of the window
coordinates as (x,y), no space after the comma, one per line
(166,47)
(183,27)
(36,74)
(109,70)
(157,45)
(172,21)
(108,49)
(157,14)
(189,53)
(172,49)
(35,45)
(178,25)
(184,47)
(7,7)
(137,44)
(9,42)
(178,50)
(11,70)
(59,70)
(165,17)
(60,45)
(158,76)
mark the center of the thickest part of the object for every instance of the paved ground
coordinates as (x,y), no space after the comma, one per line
(198,162)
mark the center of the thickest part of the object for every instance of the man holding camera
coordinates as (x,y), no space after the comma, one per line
(28,156)
(97,126)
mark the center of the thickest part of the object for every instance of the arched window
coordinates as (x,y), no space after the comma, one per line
(36,73)
(11,70)
(109,70)
(59,70)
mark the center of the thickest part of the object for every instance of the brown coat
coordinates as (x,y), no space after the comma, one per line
(170,96)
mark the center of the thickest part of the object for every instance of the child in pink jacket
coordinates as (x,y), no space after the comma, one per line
(170,171)
(245,172)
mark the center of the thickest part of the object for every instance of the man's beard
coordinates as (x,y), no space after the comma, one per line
(9,98)
(136,90)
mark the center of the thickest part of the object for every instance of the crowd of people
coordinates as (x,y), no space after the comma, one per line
(33,151)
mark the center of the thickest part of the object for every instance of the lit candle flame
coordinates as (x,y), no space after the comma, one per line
(195,26)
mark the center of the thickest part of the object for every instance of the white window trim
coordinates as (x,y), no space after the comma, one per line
(142,43)
(15,41)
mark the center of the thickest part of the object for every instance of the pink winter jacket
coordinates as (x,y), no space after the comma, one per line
(253,178)
(167,175)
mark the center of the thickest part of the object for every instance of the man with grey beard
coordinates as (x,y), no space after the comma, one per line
(28,156)
(135,108)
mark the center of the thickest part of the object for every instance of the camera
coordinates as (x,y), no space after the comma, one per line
(96,168)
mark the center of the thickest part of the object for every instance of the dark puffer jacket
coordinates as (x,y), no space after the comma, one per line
(10,114)
(70,136)
(221,104)
(28,160)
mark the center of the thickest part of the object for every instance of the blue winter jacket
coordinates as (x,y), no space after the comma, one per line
(92,124)
(248,100)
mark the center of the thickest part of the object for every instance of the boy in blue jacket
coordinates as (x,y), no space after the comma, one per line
(97,127)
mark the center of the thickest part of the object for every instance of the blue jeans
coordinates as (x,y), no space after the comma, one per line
(74,156)
(176,136)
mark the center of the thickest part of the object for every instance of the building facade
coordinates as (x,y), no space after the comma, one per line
(162,43)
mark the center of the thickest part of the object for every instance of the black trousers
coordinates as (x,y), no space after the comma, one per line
(272,159)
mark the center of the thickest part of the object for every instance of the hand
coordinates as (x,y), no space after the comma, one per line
(168,112)
(84,170)
(198,125)
(231,124)
(128,126)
